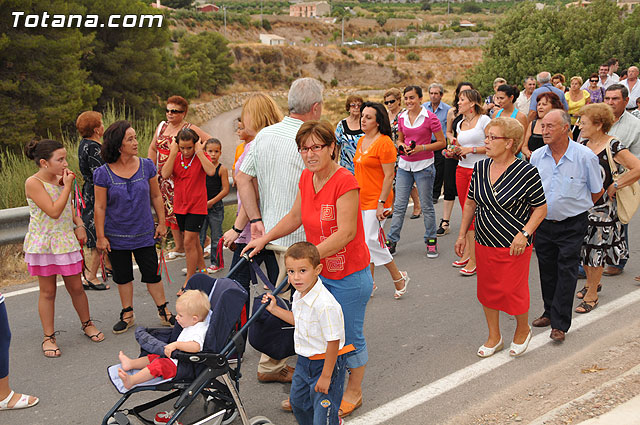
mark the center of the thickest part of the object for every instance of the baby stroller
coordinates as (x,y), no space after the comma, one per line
(213,373)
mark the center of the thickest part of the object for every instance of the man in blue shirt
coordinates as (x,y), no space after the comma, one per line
(572,182)
(544,82)
(440,109)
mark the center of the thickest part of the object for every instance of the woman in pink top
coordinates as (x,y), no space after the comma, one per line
(416,164)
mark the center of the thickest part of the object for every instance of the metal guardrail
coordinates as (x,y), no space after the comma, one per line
(14,222)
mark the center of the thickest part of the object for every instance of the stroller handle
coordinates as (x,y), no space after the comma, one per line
(230,348)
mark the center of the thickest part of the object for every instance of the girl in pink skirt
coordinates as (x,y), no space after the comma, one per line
(51,245)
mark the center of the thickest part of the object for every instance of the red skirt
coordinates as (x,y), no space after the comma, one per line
(463,181)
(503,279)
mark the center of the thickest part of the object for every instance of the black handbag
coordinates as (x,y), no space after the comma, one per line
(269,334)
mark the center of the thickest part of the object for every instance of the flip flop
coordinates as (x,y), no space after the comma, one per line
(94,286)
(347,408)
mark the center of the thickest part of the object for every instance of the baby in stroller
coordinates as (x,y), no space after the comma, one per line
(192,309)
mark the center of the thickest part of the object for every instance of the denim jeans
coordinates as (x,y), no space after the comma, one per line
(215,217)
(404,182)
(311,407)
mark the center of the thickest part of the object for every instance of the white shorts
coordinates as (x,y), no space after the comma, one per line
(379,255)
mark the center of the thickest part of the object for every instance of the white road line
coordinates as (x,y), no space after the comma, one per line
(408,401)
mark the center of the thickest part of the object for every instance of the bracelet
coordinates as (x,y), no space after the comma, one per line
(235,229)
(381,201)
(474,150)
(76,226)
(255,220)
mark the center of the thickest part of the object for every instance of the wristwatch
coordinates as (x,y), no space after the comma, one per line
(382,201)
(615,185)
(525,233)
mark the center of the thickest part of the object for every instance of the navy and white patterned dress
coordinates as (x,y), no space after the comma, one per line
(348,140)
(604,242)
(89,160)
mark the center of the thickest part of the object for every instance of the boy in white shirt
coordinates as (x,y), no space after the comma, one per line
(192,309)
(318,381)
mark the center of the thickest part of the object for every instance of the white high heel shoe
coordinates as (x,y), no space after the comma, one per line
(484,351)
(519,349)
(400,292)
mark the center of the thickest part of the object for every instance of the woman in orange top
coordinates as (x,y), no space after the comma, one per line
(374,164)
(327,207)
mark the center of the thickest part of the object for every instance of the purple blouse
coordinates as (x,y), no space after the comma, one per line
(128,220)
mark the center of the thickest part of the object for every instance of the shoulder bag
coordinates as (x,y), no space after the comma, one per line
(628,197)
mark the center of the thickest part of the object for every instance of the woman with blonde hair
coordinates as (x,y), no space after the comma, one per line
(507,212)
(576,99)
(604,242)
(259,111)
(348,131)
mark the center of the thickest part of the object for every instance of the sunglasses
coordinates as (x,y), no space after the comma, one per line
(174,111)
(355,105)
(594,81)
(389,102)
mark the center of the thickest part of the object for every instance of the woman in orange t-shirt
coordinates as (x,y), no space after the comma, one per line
(374,164)
(327,207)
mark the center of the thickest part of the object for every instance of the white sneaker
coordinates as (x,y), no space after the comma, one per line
(172,255)
(213,269)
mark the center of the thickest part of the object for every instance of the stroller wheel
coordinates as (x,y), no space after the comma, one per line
(230,416)
(260,420)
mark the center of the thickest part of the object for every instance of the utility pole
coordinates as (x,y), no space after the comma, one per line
(395,47)
(261,23)
(447,7)
(342,39)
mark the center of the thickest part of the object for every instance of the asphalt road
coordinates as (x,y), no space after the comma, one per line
(424,343)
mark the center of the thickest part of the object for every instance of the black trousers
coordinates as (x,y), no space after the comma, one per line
(438,161)
(557,246)
(450,191)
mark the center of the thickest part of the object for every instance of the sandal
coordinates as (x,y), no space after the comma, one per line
(374,289)
(400,292)
(99,337)
(123,325)
(22,403)
(587,306)
(443,229)
(94,286)
(181,291)
(347,408)
(166,317)
(581,293)
(56,351)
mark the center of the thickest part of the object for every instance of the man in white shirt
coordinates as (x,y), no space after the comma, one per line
(631,83)
(603,74)
(613,68)
(524,100)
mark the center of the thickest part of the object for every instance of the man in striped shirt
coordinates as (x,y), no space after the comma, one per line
(275,163)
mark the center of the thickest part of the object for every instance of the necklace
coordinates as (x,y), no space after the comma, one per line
(182,161)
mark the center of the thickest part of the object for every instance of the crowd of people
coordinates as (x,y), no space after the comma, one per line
(538,167)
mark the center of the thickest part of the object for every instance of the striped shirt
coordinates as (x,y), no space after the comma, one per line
(318,319)
(275,162)
(503,208)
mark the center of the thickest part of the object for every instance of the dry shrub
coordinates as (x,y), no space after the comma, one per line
(13,269)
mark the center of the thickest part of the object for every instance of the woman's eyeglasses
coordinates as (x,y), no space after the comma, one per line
(312,148)
(174,111)
(389,102)
(355,105)
(491,137)
(593,81)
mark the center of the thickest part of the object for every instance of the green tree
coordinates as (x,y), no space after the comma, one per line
(131,64)
(206,56)
(470,7)
(572,40)
(42,83)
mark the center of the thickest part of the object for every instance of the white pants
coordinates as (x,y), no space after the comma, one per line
(379,255)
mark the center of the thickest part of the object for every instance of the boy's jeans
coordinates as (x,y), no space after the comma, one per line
(310,407)
(215,217)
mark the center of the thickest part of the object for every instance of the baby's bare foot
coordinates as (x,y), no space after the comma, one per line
(125,377)
(124,361)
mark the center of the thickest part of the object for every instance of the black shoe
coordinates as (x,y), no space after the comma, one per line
(392,247)
(123,325)
(443,229)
